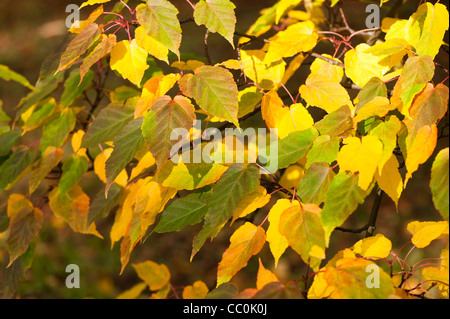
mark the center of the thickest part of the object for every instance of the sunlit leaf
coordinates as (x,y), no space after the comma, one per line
(376,246)
(439,182)
(156,276)
(198,290)
(425,232)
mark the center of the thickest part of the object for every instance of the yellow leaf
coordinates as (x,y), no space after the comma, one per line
(264,276)
(134,292)
(161,293)
(189,65)
(198,290)
(379,106)
(251,202)
(156,276)
(77,137)
(231,64)
(99,168)
(283,6)
(292,67)
(91,19)
(325,70)
(245,242)
(397,29)
(419,148)
(146,161)
(266,76)
(360,66)
(130,60)
(285,119)
(425,232)
(328,95)
(317,252)
(277,242)
(373,247)
(149,44)
(319,288)
(299,37)
(361,155)
(440,275)
(154,88)
(92,2)
(292,176)
(390,180)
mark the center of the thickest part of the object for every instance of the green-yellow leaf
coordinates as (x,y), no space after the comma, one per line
(439,182)
(218,16)
(156,276)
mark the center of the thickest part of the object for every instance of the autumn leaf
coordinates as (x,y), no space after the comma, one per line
(245,242)
(439,182)
(103,48)
(198,290)
(373,247)
(425,232)
(152,46)
(214,90)
(25,223)
(390,180)
(130,60)
(314,185)
(264,276)
(218,16)
(361,156)
(156,276)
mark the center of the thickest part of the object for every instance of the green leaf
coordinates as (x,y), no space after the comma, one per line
(165,116)
(314,185)
(50,158)
(8,139)
(15,165)
(324,149)
(72,169)
(7,74)
(107,124)
(294,146)
(343,197)
(126,143)
(335,123)
(56,132)
(416,73)
(73,87)
(439,183)
(79,46)
(41,114)
(226,194)
(25,223)
(218,16)
(101,206)
(214,90)
(159,18)
(43,89)
(188,210)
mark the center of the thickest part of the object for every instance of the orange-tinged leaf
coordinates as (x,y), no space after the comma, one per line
(425,232)
(361,66)
(154,88)
(277,242)
(390,180)
(25,223)
(152,46)
(251,202)
(376,246)
(264,276)
(198,290)
(419,148)
(130,60)
(102,49)
(73,207)
(156,276)
(78,46)
(298,37)
(302,227)
(361,155)
(245,242)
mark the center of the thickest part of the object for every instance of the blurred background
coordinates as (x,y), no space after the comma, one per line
(30,30)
